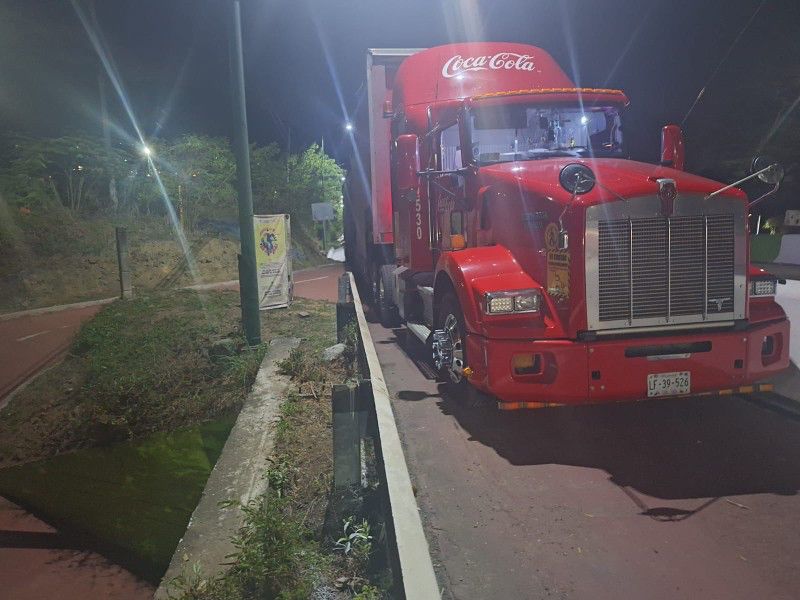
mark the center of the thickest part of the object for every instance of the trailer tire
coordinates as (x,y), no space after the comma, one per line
(387,310)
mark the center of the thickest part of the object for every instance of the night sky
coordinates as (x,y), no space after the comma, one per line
(304,58)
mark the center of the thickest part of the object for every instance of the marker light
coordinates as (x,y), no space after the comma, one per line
(146,150)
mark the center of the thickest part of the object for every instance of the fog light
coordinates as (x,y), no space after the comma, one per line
(526,364)
(763,287)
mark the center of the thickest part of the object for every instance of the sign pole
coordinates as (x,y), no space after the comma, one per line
(248,282)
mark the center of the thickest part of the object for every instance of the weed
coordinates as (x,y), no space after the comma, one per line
(280,476)
(356,540)
(274,559)
(368,592)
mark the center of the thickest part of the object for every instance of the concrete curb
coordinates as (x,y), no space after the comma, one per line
(239,475)
(51,309)
(419,578)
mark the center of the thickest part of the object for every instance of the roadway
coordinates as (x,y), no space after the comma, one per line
(692,498)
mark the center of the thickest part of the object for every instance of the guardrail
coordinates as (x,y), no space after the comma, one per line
(413,567)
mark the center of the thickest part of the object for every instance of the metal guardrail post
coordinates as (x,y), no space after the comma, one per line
(345,309)
(346,437)
(123,262)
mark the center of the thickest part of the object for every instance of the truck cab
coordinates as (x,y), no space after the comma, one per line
(536,260)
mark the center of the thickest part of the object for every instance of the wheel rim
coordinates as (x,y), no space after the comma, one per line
(378,291)
(453,331)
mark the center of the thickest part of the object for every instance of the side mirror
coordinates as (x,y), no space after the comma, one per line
(673,153)
(407,162)
(769,171)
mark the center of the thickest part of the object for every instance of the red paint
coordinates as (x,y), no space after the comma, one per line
(504,211)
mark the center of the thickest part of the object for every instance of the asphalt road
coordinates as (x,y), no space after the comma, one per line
(692,498)
(30,343)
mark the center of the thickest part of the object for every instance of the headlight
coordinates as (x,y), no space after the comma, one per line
(521,301)
(763,286)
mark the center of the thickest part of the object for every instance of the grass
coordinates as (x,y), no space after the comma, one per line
(117,442)
(135,498)
(144,366)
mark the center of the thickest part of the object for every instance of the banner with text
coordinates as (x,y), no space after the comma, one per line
(273,260)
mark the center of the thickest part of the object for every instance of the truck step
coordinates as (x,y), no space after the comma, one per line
(420,331)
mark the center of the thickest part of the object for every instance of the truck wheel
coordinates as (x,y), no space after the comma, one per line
(449,342)
(384,294)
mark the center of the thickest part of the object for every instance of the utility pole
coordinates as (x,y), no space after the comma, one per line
(248,280)
(101,84)
(322,199)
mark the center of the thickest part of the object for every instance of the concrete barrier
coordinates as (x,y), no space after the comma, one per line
(239,475)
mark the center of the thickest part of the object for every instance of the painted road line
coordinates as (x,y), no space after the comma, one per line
(419,578)
(33,335)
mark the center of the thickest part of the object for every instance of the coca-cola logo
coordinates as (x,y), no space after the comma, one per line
(502,60)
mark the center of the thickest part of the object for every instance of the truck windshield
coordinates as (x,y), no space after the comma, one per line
(525,132)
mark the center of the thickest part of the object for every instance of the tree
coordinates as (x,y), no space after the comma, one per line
(73,171)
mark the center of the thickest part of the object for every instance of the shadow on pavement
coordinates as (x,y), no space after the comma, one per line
(671,449)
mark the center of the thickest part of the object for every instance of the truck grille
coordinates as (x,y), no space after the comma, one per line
(663,268)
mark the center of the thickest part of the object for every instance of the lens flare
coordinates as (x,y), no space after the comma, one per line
(110,68)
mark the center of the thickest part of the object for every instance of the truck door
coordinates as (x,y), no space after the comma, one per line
(448,193)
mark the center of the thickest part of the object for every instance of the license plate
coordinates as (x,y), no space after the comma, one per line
(669,384)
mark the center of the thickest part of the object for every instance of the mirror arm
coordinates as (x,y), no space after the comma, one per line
(764,196)
(736,183)
(429,172)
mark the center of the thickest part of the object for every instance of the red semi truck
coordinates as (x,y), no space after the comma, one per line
(490,207)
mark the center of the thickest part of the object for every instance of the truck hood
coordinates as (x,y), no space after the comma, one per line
(627,178)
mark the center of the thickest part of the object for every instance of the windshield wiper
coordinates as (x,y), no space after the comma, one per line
(554,153)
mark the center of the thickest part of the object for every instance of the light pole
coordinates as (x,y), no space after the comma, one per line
(248,281)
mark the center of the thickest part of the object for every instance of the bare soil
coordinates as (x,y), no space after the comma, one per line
(35,274)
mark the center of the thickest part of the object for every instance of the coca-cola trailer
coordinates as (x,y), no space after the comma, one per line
(490,206)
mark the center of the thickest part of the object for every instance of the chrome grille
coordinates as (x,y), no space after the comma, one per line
(665,268)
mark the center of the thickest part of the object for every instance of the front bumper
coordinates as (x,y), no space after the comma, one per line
(574,372)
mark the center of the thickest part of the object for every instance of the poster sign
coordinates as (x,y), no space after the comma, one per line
(273,260)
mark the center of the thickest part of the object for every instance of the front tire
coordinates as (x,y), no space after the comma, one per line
(449,341)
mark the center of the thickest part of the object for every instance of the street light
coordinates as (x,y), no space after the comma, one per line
(343,178)
(348,126)
(146,151)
